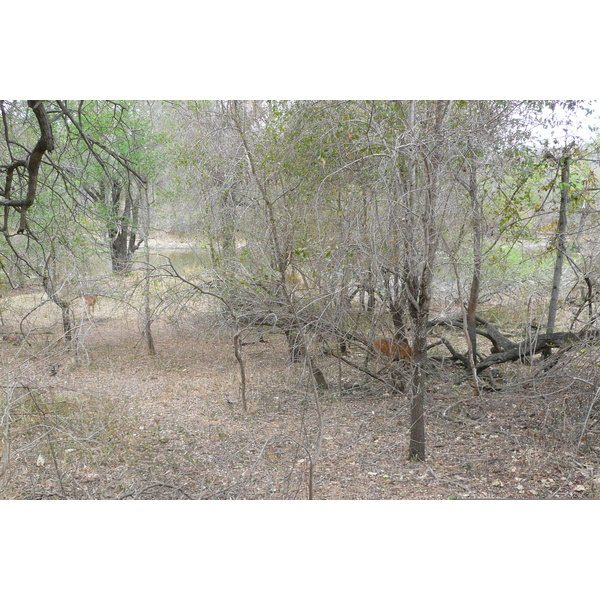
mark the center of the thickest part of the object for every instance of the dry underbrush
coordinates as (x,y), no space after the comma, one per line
(111,422)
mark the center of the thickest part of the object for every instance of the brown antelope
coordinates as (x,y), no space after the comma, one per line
(90,303)
(394,350)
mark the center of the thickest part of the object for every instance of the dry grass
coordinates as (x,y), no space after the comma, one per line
(117,423)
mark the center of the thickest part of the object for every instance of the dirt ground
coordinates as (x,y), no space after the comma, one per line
(112,422)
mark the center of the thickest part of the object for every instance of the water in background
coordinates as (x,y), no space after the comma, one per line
(186,261)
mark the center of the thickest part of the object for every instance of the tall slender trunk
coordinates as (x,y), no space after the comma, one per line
(419,268)
(65,308)
(476,226)
(416,447)
(147,307)
(477,243)
(560,240)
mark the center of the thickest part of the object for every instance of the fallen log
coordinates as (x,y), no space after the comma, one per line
(505,350)
(490,332)
(531,346)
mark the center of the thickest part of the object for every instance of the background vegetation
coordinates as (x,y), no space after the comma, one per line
(263,51)
(463,232)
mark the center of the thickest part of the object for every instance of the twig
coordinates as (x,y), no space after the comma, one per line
(587,418)
(464,487)
(359,368)
(137,493)
(452,406)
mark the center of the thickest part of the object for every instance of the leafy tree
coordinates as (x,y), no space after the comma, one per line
(45,181)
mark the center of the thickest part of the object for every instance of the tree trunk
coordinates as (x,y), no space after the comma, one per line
(416,448)
(122,229)
(237,349)
(419,263)
(477,258)
(560,241)
(65,308)
(295,346)
(147,307)
(228,222)
(44,144)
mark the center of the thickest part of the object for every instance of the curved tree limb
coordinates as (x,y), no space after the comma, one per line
(44,144)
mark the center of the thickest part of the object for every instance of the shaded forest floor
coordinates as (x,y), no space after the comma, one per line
(116,423)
